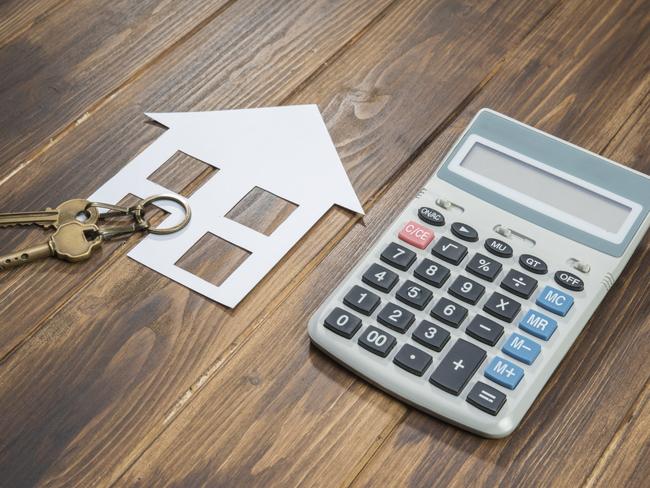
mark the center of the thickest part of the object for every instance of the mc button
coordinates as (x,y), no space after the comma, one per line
(555,301)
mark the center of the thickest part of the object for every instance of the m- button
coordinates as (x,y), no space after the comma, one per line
(416,235)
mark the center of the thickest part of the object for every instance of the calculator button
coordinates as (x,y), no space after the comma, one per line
(361,300)
(450,251)
(431,216)
(395,317)
(466,290)
(521,348)
(464,232)
(342,322)
(483,267)
(449,312)
(432,273)
(485,330)
(486,398)
(414,295)
(412,359)
(538,324)
(416,235)
(457,367)
(377,341)
(502,307)
(533,264)
(380,278)
(569,281)
(504,372)
(398,256)
(498,247)
(555,301)
(431,335)
(519,284)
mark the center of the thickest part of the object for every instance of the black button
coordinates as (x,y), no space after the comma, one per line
(432,273)
(412,359)
(431,335)
(502,307)
(533,264)
(395,317)
(377,341)
(431,216)
(483,267)
(569,281)
(464,232)
(449,312)
(361,300)
(484,330)
(498,248)
(398,256)
(450,251)
(486,398)
(380,278)
(342,322)
(414,294)
(466,290)
(519,284)
(457,367)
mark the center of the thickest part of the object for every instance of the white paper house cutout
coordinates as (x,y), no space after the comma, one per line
(286,151)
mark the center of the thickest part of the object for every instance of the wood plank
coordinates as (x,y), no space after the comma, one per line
(140,357)
(278,412)
(17,16)
(73,57)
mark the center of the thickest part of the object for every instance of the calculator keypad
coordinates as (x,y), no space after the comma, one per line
(457,367)
(361,300)
(432,273)
(484,267)
(449,312)
(519,284)
(431,335)
(395,317)
(398,256)
(377,341)
(380,278)
(502,307)
(450,251)
(466,290)
(414,294)
(412,359)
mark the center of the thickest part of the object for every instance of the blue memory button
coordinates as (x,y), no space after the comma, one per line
(554,300)
(521,348)
(538,324)
(503,372)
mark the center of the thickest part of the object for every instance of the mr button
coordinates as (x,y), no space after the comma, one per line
(416,235)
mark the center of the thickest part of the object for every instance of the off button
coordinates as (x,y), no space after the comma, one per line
(569,281)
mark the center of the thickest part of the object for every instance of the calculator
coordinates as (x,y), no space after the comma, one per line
(470,299)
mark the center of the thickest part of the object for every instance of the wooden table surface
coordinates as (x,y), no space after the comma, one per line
(111,374)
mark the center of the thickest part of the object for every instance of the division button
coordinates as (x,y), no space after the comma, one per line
(521,348)
(569,281)
(504,372)
(533,264)
(416,235)
(377,341)
(502,307)
(432,273)
(414,294)
(466,290)
(555,301)
(412,359)
(449,312)
(431,335)
(431,216)
(486,398)
(485,330)
(449,250)
(519,284)
(381,278)
(342,322)
(361,300)
(395,317)
(498,247)
(483,267)
(464,232)
(398,256)
(457,367)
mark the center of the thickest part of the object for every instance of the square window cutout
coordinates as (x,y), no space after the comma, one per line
(182,174)
(261,211)
(213,259)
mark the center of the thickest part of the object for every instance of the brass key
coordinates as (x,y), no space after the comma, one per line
(73,242)
(77,210)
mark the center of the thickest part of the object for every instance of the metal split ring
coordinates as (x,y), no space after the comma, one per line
(138,212)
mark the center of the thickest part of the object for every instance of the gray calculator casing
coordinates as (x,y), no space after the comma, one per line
(556,242)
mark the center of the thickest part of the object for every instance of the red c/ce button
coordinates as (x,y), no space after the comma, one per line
(416,235)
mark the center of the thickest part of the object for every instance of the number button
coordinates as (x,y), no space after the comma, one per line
(498,248)
(395,317)
(412,359)
(502,307)
(484,330)
(361,300)
(431,335)
(457,367)
(431,216)
(486,398)
(504,373)
(449,312)
(519,284)
(466,290)
(342,322)
(464,232)
(398,256)
(450,251)
(533,264)
(380,278)
(377,341)
(414,295)
(483,267)
(432,273)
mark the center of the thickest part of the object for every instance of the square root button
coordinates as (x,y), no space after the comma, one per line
(416,235)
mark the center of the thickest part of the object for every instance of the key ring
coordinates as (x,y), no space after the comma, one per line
(139,213)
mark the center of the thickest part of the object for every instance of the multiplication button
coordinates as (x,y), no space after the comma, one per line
(483,267)
(502,307)
(486,398)
(457,367)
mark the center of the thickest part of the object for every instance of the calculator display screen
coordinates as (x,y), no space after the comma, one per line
(539,187)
